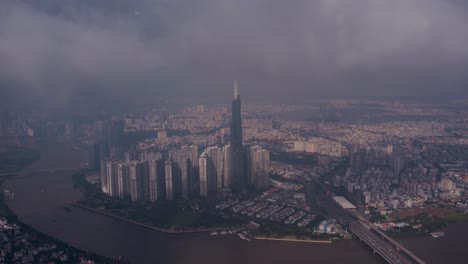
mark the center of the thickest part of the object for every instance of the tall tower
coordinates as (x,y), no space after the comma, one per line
(203,160)
(123,172)
(169,189)
(112,180)
(238,172)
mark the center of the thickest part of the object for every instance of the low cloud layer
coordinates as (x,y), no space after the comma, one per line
(77,53)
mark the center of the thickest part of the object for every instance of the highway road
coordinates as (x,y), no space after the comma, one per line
(390,250)
(380,246)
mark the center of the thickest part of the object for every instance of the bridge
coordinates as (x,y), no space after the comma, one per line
(390,250)
(378,245)
(385,237)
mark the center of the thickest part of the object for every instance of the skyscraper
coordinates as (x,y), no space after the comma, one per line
(169,189)
(103,175)
(94,157)
(195,175)
(139,181)
(181,172)
(257,167)
(123,179)
(215,168)
(112,178)
(227,166)
(203,160)
(157,178)
(238,172)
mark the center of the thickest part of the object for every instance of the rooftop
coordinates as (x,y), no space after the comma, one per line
(343,202)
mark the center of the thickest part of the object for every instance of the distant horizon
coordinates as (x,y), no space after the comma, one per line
(76,55)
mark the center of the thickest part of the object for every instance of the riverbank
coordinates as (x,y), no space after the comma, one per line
(295,240)
(18,237)
(174,230)
(171,230)
(40,198)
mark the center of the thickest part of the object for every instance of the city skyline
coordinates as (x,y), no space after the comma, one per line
(181,172)
(329,170)
(220,131)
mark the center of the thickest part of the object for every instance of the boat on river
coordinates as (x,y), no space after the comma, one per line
(437,234)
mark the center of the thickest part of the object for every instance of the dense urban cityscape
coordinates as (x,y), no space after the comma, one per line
(400,176)
(220,131)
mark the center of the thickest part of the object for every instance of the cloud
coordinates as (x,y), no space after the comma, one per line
(54,57)
(115,51)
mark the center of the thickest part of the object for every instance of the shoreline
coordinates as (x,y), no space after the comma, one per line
(170,231)
(295,240)
(163,230)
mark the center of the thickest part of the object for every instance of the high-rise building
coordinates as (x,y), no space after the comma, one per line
(94,157)
(116,132)
(164,115)
(238,172)
(103,158)
(104,150)
(112,178)
(139,181)
(156,179)
(3,120)
(211,163)
(215,168)
(181,172)
(257,160)
(203,165)
(112,134)
(183,180)
(195,175)
(135,181)
(69,129)
(103,175)
(123,179)
(169,185)
(227,166)
(130,155)
(275,124)
(358,156)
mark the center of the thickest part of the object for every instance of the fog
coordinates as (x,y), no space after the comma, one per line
(74,54)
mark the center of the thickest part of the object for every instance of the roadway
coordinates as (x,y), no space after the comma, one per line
(386,237)
(380,246)
(390,250)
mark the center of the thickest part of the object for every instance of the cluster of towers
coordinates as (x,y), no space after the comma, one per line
(150,176)
(185,172)
(109,145)
(216,170)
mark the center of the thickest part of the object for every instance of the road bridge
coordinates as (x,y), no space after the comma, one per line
(390,250)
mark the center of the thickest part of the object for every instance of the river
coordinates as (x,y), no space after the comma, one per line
(40,198)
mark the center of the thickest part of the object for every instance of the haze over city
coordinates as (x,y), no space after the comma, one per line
(86,53)
(246,131)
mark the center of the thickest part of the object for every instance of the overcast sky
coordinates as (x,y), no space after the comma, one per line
(82,52)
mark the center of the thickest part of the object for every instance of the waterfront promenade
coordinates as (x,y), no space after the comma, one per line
(328,241)
(200,230)
(171,230)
